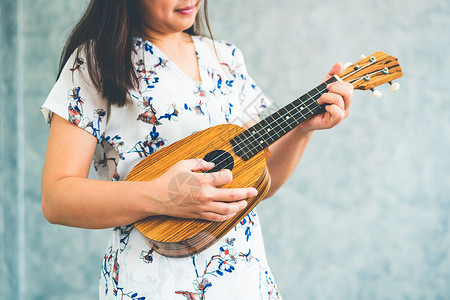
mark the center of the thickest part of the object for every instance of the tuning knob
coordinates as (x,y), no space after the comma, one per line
(347,64)
(362,56)
(376,93)
(395,86)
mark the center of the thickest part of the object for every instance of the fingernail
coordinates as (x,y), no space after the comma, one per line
(244,204)
(328,86)
(254,193)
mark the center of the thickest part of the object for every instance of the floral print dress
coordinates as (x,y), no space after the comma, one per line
(166,107)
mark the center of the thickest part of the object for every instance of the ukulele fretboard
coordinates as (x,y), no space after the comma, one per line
(267,131)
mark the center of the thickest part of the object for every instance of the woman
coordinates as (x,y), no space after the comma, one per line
(135,76)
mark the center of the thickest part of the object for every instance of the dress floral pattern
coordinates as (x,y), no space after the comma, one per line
(167,106)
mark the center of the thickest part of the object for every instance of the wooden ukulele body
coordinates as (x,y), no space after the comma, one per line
(176,237)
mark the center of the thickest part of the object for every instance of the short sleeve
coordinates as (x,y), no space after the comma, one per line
(75,98)
(252,99)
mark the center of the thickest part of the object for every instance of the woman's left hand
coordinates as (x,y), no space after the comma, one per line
(337,102)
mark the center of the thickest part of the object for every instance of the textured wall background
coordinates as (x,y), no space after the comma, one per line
(365,216)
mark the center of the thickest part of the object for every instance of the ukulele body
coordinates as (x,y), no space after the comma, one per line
(176,237)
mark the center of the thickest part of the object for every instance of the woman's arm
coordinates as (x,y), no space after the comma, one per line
(70,198)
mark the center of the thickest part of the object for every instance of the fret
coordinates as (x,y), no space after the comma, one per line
(260,136)
(277,121)
(304,102)
(290,108)
(286,118)
(242,141)
(314,105)
(271,124)
(320,88)
(237,147)
(269,138)
(267,131)
(255,145)
(270,132)
(294,117)
(296,105)
(323,86)
(309,98)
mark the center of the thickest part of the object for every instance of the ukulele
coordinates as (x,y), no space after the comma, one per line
(241,151)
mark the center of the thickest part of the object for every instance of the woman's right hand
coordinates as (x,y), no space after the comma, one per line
(185,192)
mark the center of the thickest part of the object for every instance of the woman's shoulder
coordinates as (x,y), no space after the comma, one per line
(223,50)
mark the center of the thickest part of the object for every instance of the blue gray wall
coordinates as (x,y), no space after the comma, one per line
(365,215)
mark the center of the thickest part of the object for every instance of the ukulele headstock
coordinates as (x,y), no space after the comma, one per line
(372,71)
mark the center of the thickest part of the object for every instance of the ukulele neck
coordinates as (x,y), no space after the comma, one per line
(267,131)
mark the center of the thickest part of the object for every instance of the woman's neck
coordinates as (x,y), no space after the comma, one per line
(167,42)
(179,48)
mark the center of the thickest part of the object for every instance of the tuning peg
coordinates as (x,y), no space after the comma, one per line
(347,64)
(376,93)
(362,56)
(395,86)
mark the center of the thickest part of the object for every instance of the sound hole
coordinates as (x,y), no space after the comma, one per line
(221,159)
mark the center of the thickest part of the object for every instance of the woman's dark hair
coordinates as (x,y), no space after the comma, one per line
(105,35)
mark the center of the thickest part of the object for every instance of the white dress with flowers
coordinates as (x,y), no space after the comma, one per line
(166,107)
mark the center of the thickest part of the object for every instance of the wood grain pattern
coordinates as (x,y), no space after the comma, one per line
(355,72)
(177,237)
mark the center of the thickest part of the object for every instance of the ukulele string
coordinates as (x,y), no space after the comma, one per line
(278,124)
(313,101)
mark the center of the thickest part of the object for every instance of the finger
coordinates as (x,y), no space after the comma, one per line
(215,179)
(231,194)
(337,114)
(331,98)
(225,209)
(344,89)
(196,164)
(219,178)
(209,216)
(341,88)
(336,69)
